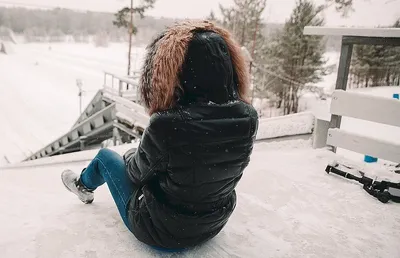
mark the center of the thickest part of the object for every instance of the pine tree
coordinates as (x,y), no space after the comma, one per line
(244,20)
(295,59)
(124,19)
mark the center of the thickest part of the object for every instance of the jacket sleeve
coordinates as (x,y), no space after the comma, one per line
(143,163)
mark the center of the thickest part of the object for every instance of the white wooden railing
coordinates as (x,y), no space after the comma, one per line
(370,108)
(124,86)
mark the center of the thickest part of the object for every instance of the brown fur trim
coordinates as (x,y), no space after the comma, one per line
(147,73)
(170,55)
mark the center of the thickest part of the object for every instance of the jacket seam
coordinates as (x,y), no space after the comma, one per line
(158,161)
(181,114)
(253,124)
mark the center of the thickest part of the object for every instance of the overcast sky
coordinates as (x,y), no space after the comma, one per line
(367,13)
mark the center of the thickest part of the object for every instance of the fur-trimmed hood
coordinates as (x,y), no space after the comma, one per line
(181,54)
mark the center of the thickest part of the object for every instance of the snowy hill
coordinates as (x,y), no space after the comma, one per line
(39,100)
(287,207)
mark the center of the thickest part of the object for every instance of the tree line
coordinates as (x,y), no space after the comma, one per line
(286,64)
(56,24)
(374,66)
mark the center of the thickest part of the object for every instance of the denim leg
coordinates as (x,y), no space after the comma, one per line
(109,167)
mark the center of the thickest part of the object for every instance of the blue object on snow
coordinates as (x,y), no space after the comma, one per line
(396,95)
(370,159)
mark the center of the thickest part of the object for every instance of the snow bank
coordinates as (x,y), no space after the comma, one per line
(74,157)
(296,124)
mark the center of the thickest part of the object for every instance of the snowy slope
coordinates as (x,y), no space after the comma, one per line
(287,207)
(38,100)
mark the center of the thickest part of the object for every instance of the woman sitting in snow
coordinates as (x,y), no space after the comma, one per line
(177,189)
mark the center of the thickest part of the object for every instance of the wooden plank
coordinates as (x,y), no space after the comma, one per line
(64,140)
(366,107)
(320,133)
(86,128)
(341,80)
(130,104)
(359,32)
(49,149)
(105,112)
(138,118)
(123,79)
(364,145)
(98,121)
(344,67)
(351,40)
(56,145)
(98,97)
(74,135)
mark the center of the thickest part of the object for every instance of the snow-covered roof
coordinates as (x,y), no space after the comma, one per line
(287,207)
(359,32)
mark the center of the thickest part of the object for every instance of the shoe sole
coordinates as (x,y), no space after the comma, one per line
(85,202)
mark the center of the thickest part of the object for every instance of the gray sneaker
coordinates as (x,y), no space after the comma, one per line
(72,182)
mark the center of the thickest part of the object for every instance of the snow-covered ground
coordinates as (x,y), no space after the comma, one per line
(39,97)
(287,207)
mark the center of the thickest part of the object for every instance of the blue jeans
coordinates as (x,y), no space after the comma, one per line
(109,167)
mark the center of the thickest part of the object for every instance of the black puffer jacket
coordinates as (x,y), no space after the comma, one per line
(192,156)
